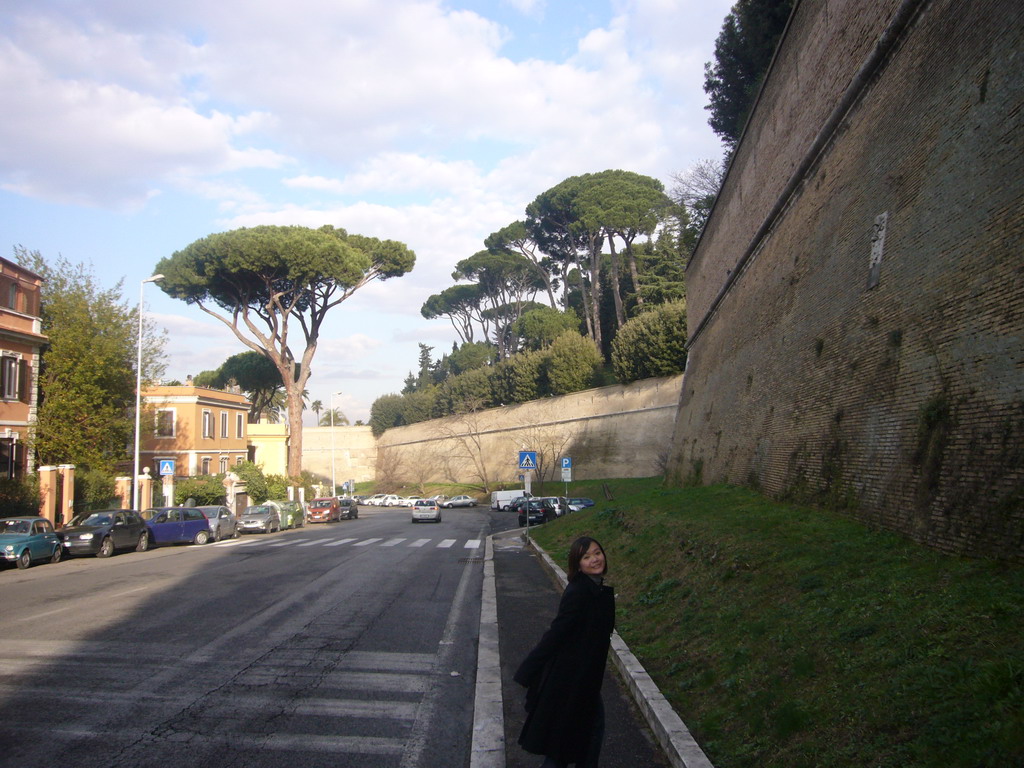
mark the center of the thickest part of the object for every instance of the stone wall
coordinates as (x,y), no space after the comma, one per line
(353,451)
(857,299)
(617,431)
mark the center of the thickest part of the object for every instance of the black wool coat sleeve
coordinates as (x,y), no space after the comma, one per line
(564,672)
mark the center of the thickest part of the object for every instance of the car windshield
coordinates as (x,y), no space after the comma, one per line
(149,514)
(257,510)
(15,526)
(95,518)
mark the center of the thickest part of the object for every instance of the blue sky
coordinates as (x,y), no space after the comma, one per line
(133,129)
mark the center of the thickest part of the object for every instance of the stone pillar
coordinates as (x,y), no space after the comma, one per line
(48,491)
(145,482)
(67,506)
(123,491)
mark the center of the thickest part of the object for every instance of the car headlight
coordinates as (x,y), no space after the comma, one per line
(9,548)
(85,536)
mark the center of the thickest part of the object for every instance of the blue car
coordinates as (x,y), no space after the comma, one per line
(24,540)
(173,525)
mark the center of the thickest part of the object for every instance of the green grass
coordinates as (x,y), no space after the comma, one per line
(792,637)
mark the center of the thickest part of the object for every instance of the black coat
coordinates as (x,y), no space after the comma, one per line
(564,672)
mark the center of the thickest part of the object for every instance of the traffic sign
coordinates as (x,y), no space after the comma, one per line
(527,459)
(166,467)
(567,462)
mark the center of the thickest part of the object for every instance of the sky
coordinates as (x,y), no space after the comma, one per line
(132,129)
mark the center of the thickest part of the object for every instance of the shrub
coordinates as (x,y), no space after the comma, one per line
(571,363)
(651,344)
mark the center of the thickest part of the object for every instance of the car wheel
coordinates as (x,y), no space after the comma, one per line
(202,537)
(106,548)
(24,559)
(143,543)
(58,553)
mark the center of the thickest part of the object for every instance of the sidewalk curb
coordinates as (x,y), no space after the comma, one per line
(672,734)
(488,749)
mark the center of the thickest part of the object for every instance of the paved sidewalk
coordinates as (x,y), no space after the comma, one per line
(520,598)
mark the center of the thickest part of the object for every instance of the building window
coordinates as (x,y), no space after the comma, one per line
(207,424)
(206,465)
(239,425)
(165,422)
(9,377)
(223,423)
(223,464)
(238,461)
(12,296)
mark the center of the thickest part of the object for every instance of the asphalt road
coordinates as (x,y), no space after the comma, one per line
(349,644)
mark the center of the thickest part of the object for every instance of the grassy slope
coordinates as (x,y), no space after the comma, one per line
(788,636)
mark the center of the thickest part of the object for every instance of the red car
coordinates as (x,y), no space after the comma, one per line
(324,510)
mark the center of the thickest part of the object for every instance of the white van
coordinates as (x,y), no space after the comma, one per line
(502,499)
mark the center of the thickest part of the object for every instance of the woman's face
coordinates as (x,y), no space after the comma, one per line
(592,562)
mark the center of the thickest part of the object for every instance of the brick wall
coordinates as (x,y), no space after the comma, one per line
(902,402)
(617,431)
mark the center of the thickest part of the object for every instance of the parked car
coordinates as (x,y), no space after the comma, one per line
(293,515)
(176,525)
(581,502)
(324,510)
(391,500)
(223,523)
(102,533)
(261,518)
(556,502)
(348,508)
(540,511)
(459,501)
(25,540)
(426,509)
(374,501)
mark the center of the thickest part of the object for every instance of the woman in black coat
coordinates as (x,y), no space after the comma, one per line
(564,672)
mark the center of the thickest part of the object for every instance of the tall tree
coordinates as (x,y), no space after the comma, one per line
(461,304)
(694,192)
(333,417)
(258,281)
(255,375)
(516,239)
(743,51)
(86,413)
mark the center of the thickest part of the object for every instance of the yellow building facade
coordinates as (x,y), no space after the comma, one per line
(203,430)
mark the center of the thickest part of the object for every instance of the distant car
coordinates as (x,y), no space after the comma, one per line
(375,500)
(223,523)
(556,502)
(103,532)
(426,509)
(459,501)
(25,540)
(581,502)
(348,508)
(292,514)
(176,525)
(540,511)
(262,518)
(391,500)
(324,510)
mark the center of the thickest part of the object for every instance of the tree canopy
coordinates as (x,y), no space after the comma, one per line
(255,374)
(743,51)
(263,281)
(86,412)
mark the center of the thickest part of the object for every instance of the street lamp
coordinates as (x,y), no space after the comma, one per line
(138,392)
(334,482)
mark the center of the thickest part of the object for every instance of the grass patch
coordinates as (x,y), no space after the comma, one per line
(788,636)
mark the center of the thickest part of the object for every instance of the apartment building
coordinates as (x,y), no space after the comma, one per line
(21,341)
(204,431)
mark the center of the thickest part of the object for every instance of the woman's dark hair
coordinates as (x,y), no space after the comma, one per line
(578,550)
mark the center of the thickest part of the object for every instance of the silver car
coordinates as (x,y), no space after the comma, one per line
(223,523)
(260,518)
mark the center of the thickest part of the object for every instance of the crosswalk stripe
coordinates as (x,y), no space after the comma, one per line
(392,542)
(420,542)
(446,543)
(366,542)
(338,543)
(472,544)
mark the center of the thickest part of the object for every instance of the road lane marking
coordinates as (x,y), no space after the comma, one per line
(338,543)
(392,542)
(420,542)
(366,542)
(472,544)
(445,543)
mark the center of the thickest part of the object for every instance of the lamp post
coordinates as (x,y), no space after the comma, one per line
(334,482)
(138,391)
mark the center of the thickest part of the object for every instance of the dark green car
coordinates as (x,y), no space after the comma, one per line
(293,515)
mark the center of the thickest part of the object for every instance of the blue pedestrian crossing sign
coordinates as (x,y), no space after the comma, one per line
(166,467)
(527,459)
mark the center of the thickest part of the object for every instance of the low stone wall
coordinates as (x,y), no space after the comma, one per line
(617,431)
(353,451)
